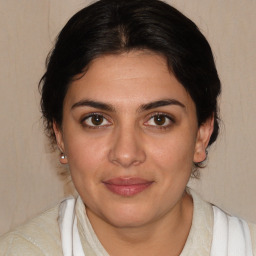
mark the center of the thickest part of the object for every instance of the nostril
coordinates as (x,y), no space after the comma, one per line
(127,158)
(126,147)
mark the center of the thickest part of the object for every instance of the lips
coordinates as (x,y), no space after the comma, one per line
(129,186)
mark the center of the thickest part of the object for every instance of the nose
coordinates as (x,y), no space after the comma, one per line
(127,148)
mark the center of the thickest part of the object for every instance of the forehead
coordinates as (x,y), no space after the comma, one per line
(132,78)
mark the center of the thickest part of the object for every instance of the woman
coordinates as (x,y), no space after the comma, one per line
(130,99)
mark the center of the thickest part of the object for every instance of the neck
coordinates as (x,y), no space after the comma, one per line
(165,236)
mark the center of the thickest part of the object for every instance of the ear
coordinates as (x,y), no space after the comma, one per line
(203,137)
(60,143)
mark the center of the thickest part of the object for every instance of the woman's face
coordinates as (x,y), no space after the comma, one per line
(130,135)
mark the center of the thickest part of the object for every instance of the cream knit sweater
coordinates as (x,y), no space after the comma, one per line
(41,237)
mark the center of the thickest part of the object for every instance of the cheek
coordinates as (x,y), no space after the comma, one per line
(85,155)
(173,151)
(86,160)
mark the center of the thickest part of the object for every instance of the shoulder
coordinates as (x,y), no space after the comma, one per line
(252,228)
(205,212)
(40,236)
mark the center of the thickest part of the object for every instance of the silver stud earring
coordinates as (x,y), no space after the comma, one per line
(62,156)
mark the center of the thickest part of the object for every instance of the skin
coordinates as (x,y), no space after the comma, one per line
(130,142)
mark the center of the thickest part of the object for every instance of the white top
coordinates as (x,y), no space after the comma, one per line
(231,235)
(41,236)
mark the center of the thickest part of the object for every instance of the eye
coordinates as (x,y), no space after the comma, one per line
(95,121)
(160,120)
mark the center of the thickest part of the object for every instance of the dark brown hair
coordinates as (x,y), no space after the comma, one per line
(116,26)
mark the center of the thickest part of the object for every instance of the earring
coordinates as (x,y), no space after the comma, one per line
(63,158)
(62,155)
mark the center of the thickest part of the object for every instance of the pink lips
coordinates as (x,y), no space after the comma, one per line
(127,186)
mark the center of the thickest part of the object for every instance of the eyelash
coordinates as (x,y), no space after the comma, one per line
(84,119)
(158,114)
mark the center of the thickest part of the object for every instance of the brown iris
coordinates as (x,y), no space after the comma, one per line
(159,119)
(97,119)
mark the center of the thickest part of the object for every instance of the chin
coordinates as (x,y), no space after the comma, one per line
(128,216)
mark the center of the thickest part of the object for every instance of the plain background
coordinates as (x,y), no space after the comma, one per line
(29,183)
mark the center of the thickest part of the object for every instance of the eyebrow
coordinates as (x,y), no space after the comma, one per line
(161,103)
(144,107)
(93,104)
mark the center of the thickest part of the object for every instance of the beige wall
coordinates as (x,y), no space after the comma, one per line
(28,170)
